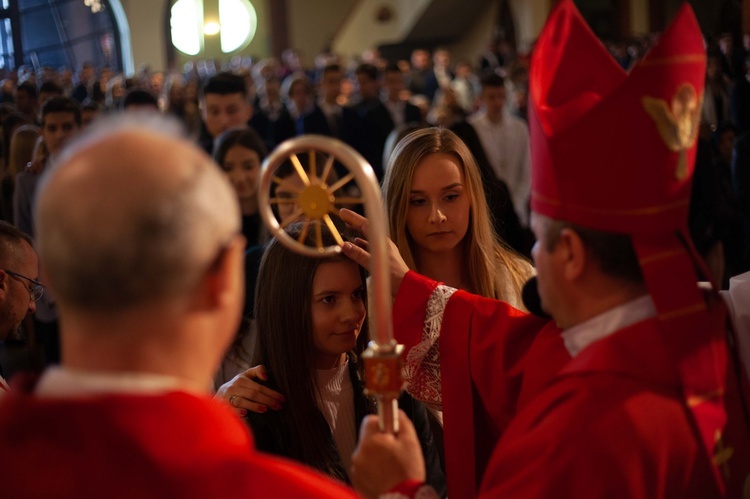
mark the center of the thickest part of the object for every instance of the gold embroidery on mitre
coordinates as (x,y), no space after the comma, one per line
(677,126)
(722,455)
(694,400)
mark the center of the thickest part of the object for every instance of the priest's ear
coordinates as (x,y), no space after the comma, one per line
(572,254)
(611,255)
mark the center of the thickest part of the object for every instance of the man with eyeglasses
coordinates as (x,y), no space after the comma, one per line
(19,284)
(147,273)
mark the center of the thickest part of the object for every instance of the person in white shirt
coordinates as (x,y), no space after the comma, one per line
(505,140)
(19,283)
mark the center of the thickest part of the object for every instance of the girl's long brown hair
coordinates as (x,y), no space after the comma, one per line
(284,344)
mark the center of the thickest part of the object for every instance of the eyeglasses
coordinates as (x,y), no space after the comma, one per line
(37,288)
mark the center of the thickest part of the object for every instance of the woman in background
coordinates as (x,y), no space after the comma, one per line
(239,153)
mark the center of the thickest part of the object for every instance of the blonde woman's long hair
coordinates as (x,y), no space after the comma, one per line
(487,254)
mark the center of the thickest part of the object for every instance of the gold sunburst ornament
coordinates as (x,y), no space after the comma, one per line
(678,126)
(316,201)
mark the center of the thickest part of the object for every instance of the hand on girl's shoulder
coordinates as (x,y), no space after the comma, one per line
(246,392)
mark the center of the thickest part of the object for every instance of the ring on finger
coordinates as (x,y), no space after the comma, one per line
(231,400)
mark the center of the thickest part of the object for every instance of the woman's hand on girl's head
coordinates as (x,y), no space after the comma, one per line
(359,251)
(244,394)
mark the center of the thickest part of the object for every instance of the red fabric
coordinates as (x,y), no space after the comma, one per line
(584,173)
(483,345)
(590,127)
(613,424)
(176,445)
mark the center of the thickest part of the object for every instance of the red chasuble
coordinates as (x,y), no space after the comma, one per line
(611,422)
(614,424)
(484,346)
(127,446)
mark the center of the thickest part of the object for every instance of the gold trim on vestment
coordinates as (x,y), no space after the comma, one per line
(698,307)
(695,400)
(640,211)
(665,255)
(677,59)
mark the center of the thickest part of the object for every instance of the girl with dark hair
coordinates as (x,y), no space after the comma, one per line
(239,152)
(311,330)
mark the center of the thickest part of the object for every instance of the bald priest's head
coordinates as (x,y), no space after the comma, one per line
(138,240)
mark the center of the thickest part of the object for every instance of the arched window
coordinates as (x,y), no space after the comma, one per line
(64,33)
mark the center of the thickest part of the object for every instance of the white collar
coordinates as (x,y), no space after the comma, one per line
(64,382)
(578,337)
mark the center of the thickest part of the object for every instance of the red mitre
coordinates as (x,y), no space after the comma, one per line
(614,152)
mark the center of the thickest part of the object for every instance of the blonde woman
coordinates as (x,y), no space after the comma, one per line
(440,221)
(441,225)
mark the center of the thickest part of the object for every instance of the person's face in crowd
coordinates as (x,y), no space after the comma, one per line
(66,77)
(157,82)
(104,77)
(57,129)
(88,116)
(289,189)
(420,59)
(242,167)
(25,103)
(87,74)
(394,85)
(299,95)
(338,311)
(118,91)
(463,70)
(442,58)
(330,86)
(191,91)
(16,292)
(176,93)
(493,100)
(272,89)
(439,207)
(726,44)
(222,112)
(368,88)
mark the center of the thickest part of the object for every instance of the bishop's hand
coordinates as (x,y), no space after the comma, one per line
(359,251)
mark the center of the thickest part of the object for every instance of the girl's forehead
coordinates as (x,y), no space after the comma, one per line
(336,272)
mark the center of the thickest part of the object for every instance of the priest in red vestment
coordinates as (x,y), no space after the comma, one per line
(634,390)
(139,239)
